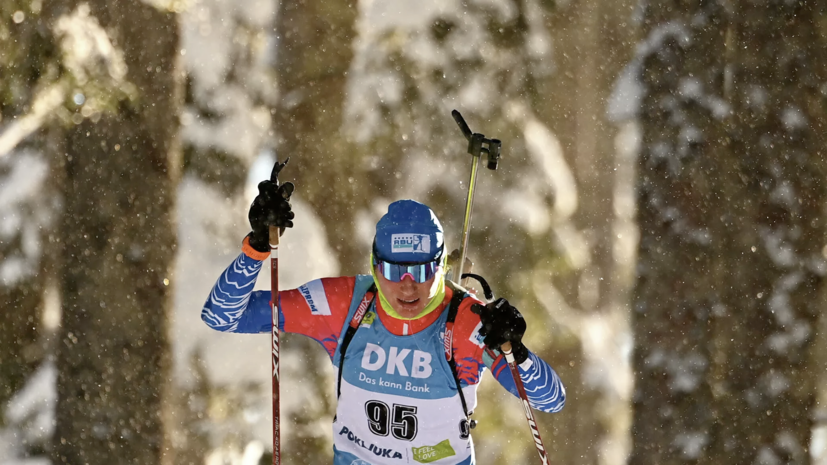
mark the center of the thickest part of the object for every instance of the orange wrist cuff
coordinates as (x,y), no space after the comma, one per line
(251,252)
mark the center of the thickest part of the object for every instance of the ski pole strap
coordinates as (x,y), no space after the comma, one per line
(471,423)
(448,342)
(364,305)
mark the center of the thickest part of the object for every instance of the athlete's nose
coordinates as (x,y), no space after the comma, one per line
(408,285)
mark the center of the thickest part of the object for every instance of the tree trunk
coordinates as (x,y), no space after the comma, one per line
(118,237)
(315,41)
(679,274)
(315,50)
(591,42)
(762,378)
(731,262)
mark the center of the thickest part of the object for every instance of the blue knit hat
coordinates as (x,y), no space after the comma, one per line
(409,233)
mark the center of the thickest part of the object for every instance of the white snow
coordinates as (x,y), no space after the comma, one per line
(625,100)
(778,248)
(691,444)
(88,52)
(784,194)
(774,383)
(757,97)
(685,371)
(793,119)
(28,170)
(547,152)
(786,440)
(22,213)
(240,131)
(30,417)
(766,456)
(527,208)
(791,338)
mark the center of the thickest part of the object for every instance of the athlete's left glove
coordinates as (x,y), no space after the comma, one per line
(502,323)
(270,208)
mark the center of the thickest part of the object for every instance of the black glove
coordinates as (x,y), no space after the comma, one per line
(502,323)
(270,208)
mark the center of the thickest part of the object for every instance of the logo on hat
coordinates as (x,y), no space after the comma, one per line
(410,243)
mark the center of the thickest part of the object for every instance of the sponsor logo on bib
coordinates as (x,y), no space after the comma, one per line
(377,451)
(428,454)
(375,358)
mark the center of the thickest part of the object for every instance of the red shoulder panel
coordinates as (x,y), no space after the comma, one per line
(318,309)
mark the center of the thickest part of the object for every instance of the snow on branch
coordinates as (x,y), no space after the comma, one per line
(44,103)
(96,76)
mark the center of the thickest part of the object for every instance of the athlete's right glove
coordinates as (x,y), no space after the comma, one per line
(270,208)
(502,323)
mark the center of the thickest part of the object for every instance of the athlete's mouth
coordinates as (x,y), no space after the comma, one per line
(408,301)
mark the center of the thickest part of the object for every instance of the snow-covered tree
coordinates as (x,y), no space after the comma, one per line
(763,377)
(680,65)
(730,200)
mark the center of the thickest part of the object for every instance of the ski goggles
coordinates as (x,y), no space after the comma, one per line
(396,272)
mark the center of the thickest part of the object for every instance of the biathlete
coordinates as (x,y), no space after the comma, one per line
(408,345)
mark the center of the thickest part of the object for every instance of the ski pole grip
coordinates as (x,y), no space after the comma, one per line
(475,144)
(274,236)
(463,126)
(274,175)
(505,348)
(494,146)
(286,190)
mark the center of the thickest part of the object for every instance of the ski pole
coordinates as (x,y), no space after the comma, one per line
(515,373)
(274,307)
(518,383)
(529,414)
(477,144)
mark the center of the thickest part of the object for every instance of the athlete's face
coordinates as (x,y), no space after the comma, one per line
(407,297)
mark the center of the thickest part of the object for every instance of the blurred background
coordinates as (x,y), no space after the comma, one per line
(658,215)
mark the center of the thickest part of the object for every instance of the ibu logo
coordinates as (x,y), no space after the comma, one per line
(404,362)
(410,243)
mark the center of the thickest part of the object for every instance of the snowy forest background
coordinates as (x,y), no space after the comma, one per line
(658,215)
